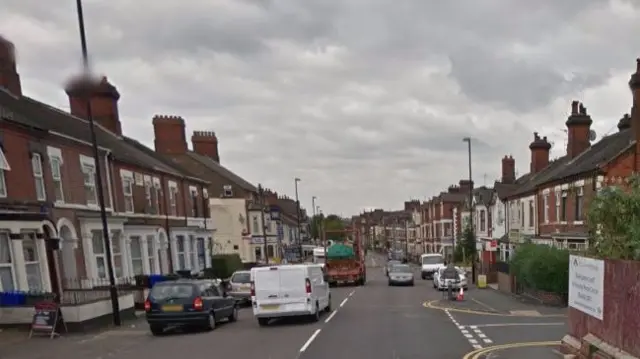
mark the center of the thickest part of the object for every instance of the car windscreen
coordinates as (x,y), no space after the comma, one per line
(433,260)
(241,277)
(400,268)
(392,263)
(162,291)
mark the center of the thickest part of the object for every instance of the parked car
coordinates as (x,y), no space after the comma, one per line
(401,274)
(192,303)
(240,283)
(289,291)
(442,284)
(389,265)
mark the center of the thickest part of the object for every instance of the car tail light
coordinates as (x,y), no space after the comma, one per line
(198,304)
(253,289)
(147,305)
(307,285)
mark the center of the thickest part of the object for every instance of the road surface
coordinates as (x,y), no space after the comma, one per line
(373,321)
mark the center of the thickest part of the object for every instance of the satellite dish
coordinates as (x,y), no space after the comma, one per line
(592,135)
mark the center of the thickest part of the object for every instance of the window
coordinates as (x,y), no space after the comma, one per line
(4,167)
(56,175)
(148,196)
(136,255)
(127,190)
(521,214)
(38,176)
(545,204)
(194,202)
(151,253)
(202,253)
(563,207)
(89,172)
(32,261)
(157,192)
(579,203)
(255,225)
(116,245)
(531,213)
(558,200)
(182,260)
(7,275)
(258,253)
(483,224)
(270,252)
(193,252)
(99,253)
(173,198)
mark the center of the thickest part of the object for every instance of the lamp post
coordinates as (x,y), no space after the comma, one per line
(473,267)
(264,224)
(295,182)
(113,291)
(314,222)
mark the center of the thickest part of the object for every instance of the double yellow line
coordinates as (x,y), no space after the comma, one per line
(478,353)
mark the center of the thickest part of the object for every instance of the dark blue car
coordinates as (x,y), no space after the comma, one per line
(193,303)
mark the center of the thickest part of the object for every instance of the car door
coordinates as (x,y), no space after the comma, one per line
(223,303)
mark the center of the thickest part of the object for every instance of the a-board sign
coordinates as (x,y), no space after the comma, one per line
(47,319)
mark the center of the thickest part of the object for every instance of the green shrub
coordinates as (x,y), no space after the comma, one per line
(223,266)
(541,267)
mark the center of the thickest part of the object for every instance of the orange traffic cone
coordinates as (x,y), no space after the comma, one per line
(460,294)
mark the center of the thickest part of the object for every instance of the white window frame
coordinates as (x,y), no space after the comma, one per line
(56,176)
(193,252)
(101,254)
(88,166)
(558,204)
(37,263)
(151,252)
(117,238)
(180,238)
(157,187)
(4,236)
(37,171)
(579,194)
(193,196)
(545,203)
(4,167)
(148,186)
(173,198)
(127,190)
(135,242)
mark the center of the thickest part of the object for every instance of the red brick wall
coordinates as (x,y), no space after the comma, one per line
(621,315)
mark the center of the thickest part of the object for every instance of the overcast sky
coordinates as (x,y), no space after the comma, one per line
(367,101)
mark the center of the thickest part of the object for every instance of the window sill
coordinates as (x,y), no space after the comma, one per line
(578,222)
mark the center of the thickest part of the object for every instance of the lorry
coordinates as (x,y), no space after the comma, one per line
(345,261)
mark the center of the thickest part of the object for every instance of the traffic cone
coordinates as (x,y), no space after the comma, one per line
(460,294)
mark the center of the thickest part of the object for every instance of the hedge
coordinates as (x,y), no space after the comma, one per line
(541,267)
(223,266)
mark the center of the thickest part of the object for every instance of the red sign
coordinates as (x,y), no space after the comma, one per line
(494,244)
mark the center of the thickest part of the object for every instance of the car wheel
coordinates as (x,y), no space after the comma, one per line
(412,284)
(316,316)
(156,330)
(234,314)
(211,321)
(263,322)
(328,308)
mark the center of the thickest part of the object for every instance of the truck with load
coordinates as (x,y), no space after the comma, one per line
(345,261)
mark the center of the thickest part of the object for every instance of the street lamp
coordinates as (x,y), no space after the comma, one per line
(113,291)
(315,220)
(295,182)
(473,267)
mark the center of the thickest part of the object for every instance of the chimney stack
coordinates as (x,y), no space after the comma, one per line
(453,189)
(170,138)
(624,123)
(9,78)
(578,129)
(206,143)
(508,170)
(103,97)
(465,186)
(540,148)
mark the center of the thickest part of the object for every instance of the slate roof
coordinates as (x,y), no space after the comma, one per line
(221,170)
(530,181)
(32,113)
(483,195)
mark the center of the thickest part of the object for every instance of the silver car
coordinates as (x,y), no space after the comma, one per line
(240,283)
(400,274)
(442,284)
(390,264)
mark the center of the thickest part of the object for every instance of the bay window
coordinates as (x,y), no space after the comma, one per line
(136,255)
(180,252)
(7,274)
(99,253)
(151,257)
(32,261)
(193,255)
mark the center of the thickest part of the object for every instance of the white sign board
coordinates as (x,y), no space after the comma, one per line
(586,285)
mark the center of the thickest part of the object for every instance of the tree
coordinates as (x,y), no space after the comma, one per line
(329,223)
(466,247)
(614,221)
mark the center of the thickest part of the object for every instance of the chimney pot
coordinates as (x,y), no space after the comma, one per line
(9,77)
(574,107)
(103,97)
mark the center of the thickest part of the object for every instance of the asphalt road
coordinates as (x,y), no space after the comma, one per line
(373,321)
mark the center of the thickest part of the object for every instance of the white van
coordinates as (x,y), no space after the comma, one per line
(288,291)
(430,263)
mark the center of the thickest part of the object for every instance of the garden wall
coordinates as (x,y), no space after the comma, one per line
(621,311)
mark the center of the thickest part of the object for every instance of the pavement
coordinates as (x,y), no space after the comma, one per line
(372,321)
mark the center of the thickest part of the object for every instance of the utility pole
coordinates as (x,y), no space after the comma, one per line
(113,290)
(471,210)
(264,224)
(314,221)
(296,180)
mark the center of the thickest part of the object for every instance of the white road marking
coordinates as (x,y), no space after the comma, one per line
(477,346)
(343,302)
(310,340)
(352,292)
(516,324)
(331,316)
(472,333)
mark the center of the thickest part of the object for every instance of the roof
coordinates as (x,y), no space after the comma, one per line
(530,181)
(222,171)
(32,113)
(483,195)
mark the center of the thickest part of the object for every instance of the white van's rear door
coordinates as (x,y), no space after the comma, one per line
(267,284)
(293,284)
